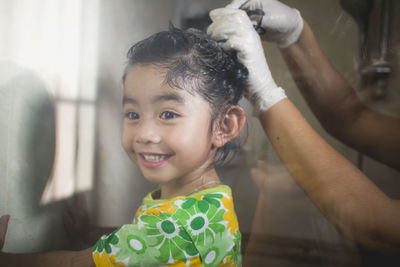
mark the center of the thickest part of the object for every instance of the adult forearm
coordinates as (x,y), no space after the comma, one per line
(343,194)
(328,94)
(336,104)
(49,259)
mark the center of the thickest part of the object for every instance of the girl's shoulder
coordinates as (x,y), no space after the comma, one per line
(208,201)
(214,196)
(202,225)
(205,218)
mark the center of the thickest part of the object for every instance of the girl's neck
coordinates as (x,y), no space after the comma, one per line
(208,179)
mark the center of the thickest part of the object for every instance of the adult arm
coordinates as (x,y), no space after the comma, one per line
(337,106)
(49,259)
(330,97)
(359,209)
(356,206)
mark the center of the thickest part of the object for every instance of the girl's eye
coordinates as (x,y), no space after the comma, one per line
(167,115)
(132,116)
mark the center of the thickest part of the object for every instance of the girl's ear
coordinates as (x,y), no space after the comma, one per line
(228,126)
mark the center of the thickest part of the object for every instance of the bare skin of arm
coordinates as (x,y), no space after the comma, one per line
(49,259)
(354,204)
(358,208)
(336,104)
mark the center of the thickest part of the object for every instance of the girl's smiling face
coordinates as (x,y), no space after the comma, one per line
(166,130)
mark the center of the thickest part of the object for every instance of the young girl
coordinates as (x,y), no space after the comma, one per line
(181,91)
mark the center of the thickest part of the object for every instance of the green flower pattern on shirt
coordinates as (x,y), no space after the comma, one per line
(236,252)
(216,253)
(135,247)
(192,227)
(202,219)
(105,242)
(171,238)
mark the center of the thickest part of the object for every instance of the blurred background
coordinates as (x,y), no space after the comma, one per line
(61,64)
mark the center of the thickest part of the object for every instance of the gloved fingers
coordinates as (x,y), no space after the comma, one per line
(225,18)
(240,14)
(233,43)
(232,35)
(225,12)
(220,30)
(235,29)
(246,4)
(237,4)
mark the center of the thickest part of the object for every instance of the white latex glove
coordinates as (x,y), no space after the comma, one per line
(234,27)
(283,24)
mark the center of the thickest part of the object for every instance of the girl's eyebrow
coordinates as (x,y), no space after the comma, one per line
(169,97)
(157,99)
(129,100)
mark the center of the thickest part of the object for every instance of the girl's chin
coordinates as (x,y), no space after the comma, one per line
(158,179)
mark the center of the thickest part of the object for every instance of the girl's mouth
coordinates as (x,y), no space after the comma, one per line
(153,160)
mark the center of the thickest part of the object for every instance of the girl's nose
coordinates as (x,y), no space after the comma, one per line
(147,135)
(150,138)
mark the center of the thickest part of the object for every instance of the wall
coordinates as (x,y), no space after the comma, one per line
(27,145)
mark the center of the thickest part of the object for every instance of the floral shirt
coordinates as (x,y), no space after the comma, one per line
(196,230)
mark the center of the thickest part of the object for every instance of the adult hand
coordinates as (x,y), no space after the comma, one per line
(282,24)
(3,229)
(233,28)
(76,218)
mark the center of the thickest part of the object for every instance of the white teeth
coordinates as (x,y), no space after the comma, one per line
(154,158)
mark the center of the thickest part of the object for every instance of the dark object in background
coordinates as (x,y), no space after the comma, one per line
(200,22)
(374,20)
(360,11)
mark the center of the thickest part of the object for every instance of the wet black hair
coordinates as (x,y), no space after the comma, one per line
(196,63)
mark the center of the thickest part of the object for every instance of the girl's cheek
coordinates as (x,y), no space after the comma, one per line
(126,139)
(124,144)
(176,136)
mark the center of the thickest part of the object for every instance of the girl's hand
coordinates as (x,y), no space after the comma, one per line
(3,229)
(76,218)
(233,28)
(282,24)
